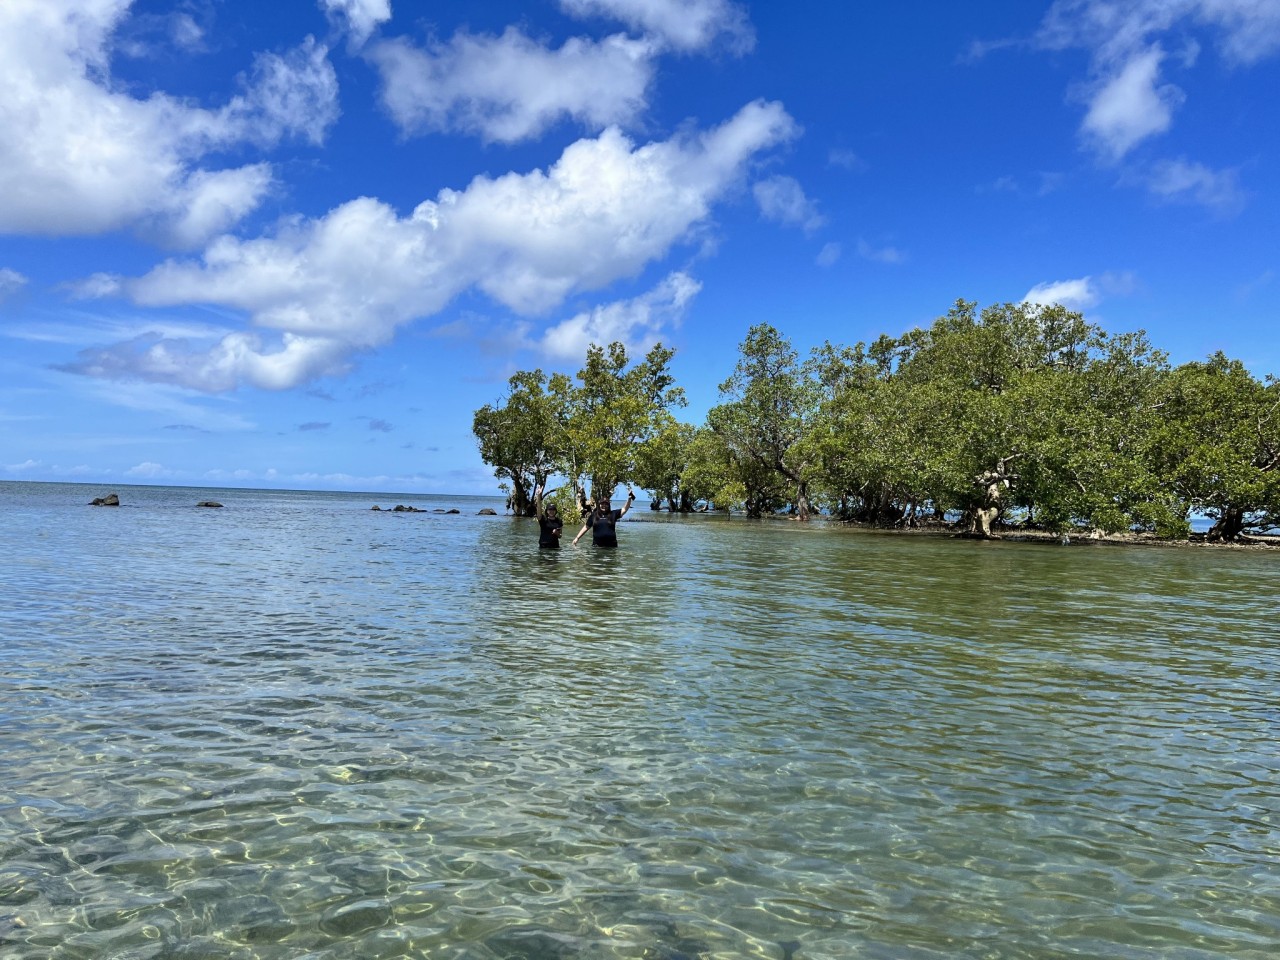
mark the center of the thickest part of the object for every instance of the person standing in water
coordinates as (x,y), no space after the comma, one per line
(602,522)
(549,523)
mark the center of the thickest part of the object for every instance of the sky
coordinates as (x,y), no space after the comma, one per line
(298,244)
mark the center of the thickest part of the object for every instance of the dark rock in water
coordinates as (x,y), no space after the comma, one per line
(438,510)
(208,503)
(376,507)
(488,512)
(110,500)
(454,510)
(401,508)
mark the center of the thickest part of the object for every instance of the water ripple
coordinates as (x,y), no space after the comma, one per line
(296,728)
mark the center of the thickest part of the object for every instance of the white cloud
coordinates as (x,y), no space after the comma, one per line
(176,404)
(829,254)
(240,357)
(210,202)
(149,471)
(1127,101)
(84,329)
(846,159)
(638,323)
(186,33)
(346,281)
(1182,180)
(361,17)
(95,286)
(24,467)
(1080,294)
(782,200)
(891,255)
(11,281)
(79,156)
(685,25)
(511,88)
(1129,107)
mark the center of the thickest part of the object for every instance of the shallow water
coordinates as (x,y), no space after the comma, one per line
(296,728)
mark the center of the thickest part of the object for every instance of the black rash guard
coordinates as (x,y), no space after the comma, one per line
(603,532)
(549,531)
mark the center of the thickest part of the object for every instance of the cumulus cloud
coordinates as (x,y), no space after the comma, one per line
(241,357)
(1127,100)
(1082,293)
(639,323)
(361,17)
(11,281)
(332,286)
(79,156)
(1184,181)
(511,88)
(1131,106)
(1079,294)
(684,25)
(782,200)
(829,254)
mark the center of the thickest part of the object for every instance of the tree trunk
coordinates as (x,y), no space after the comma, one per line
(802,501)
(993,484)
(521,503)
(1229,526)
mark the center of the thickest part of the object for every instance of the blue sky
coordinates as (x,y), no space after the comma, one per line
(297,244)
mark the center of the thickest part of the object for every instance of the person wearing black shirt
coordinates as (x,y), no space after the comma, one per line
(549,523)
(602,522)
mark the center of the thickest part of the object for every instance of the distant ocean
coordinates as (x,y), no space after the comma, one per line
(295,727)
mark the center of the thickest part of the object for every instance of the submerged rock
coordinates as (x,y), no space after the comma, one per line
(110,500)
(488,512)
(208,503)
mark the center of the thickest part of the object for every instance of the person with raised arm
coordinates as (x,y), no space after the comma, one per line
(603,522)
(549,523)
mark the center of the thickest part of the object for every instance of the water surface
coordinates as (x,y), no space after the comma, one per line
(298,728)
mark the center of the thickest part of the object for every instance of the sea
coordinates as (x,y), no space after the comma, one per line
(296,727)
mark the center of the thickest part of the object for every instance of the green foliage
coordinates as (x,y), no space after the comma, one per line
(1018,413)
(661,460)
(522,438)
(1216,444)
(771,403)
(613,412)
(589,432)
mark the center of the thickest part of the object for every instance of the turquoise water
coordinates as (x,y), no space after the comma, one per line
(297,728)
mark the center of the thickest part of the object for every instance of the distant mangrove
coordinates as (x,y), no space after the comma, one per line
(1018,416)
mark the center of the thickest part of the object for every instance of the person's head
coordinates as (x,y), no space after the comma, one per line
(551,510)
(604,504)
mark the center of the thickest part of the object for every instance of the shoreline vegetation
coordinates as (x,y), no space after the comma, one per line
(1017,534)
(1023,421)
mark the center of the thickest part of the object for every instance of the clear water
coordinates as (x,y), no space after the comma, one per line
(297,728)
